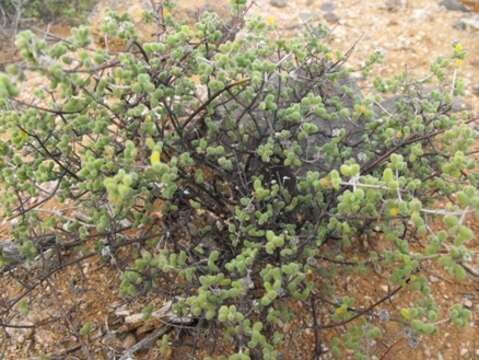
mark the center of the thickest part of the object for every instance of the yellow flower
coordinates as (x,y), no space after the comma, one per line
(343,309)
(458,47)
(270,20)
(394,211)
(458,62)
(155,157)
(362,109)
(325,182)
(309,275)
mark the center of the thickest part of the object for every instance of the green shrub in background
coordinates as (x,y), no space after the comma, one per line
(72,11)
(54,10)
(262,159)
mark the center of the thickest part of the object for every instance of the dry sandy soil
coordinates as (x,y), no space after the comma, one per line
(411,34)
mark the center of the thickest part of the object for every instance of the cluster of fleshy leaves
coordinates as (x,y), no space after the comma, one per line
(235,164)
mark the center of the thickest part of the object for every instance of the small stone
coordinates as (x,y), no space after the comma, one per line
(433,279)
(122,311)
(412,342)
(327,7)
(468,303)
(29,333)
(129,341)
(384,288)
(395,5)
(279,3)
(144,329)
(111,340)
(331,18)
(471,23)
(464,351)
(383,315)
(306,16)
(420,15)
(459,104)
(460,25)
(453,5)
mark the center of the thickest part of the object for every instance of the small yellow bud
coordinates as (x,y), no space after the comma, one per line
(325,182)
(362,109)
(341,310)
(394,211)
(155,157)
(309,275)
(270,20)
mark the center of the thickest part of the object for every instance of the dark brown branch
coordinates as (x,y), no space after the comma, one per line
(212,98)
(364,311)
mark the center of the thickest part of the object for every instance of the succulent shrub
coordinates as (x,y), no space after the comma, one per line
(236,162)
(72,11)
